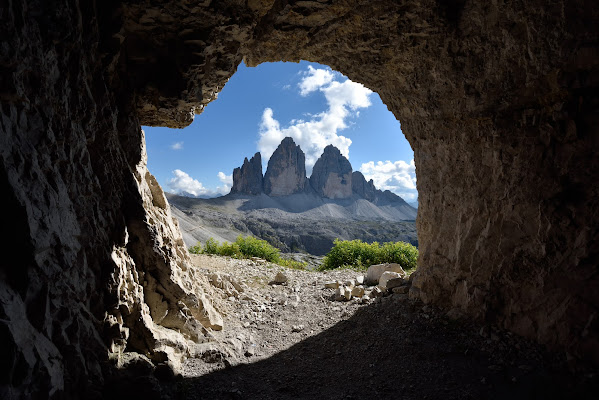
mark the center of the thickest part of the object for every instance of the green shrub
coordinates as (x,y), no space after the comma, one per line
(357,254)
(245,248)
(252,247)
(211,246)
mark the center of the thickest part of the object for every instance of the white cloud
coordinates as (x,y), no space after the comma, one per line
(177,146)
(226,179)
(315,79)
(344,99)
(183,184)
(399,177)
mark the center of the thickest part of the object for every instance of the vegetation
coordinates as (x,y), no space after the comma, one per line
(361,255)
(246,247)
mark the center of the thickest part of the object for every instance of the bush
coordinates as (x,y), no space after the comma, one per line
(357,254)
(245,248)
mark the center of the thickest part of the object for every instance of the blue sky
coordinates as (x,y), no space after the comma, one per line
(259,106)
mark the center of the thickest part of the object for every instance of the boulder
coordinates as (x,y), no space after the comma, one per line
(374,272)
(357,291)
(394,282)
(280,278)
(387,276)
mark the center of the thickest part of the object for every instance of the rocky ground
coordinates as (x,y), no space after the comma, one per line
(292,339)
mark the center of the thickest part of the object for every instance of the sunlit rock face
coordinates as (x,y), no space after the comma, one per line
(286,171)
(499,102)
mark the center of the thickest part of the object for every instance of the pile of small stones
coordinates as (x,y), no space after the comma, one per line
(380,280)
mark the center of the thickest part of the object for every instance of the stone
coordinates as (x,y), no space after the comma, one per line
(376,293)
(357,291)
(374,272)
(248,178)
(350,283)
(297,328)
(280,278)
(360,279)
(395,282)
(332,284)
(332,175)
(286,171)
(343,293)
(386,276)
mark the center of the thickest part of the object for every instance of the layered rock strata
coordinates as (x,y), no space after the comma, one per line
(498,100)
(248,178)
(286,171)
(332,175)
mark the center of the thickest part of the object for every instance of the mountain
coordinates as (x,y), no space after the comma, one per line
(332,175)
(296,213)
(248,178)
(286,171)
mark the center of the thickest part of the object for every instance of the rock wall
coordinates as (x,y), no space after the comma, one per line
(498,100)
(286,171)
(248,178)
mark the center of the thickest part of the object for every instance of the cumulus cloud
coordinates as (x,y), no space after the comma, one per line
(177,146)
(344,99)
(399,177)
(183,184)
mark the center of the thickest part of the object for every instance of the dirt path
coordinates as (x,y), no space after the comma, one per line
(293,341)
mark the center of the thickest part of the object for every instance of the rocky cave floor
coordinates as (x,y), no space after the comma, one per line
(293,341)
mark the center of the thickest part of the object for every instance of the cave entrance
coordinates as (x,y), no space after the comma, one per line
(370,194)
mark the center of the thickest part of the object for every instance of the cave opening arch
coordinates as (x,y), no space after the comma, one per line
(314,106)
(498,101)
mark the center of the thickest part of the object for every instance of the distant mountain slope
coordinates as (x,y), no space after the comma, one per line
(298,222)
(296,213)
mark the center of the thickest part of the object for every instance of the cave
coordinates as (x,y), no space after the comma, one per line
(498,100)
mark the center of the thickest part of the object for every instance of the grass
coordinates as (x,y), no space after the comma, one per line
(246,247)
(360,255)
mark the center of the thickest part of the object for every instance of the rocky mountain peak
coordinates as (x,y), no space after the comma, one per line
(286,171)
(332,175)
(248,178)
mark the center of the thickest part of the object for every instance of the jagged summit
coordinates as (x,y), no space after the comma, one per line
(286,171)
(248,178)
(332,177)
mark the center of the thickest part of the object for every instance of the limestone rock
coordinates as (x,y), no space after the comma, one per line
(360,279)
(286,171)
(248,178)
(357,291)
(386,276)
(364,189)
(374,272)
(332,284)
(394,282)
(332,175)
(280,278)
(343,293)
(376,293)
